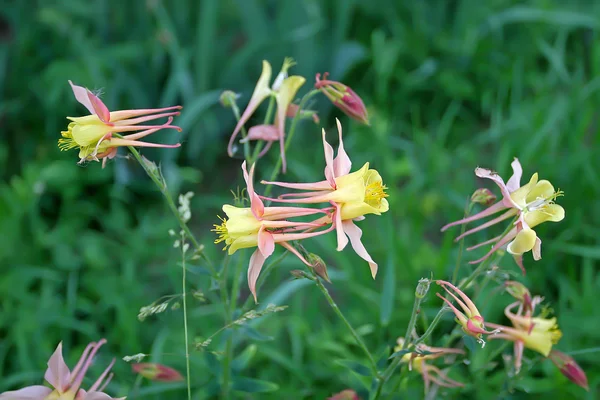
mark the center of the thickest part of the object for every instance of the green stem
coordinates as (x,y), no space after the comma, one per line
(185,319)
(162,187)
(407,339)
(431,327)
(259,146)
(236,113)
(228,318)
(461,245)
(357,338)
(290,135)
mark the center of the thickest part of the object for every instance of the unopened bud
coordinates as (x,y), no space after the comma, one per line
(347,394)
(483,196)
(228,98)
(343,98)
(422,287)
(569,368)
(298,274)
(519,292)
(318,265)
(157,372)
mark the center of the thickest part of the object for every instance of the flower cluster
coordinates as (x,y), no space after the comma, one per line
(349,197)
(66,384)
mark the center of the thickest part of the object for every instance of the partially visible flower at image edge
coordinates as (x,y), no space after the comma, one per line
(97,136)
(67,384)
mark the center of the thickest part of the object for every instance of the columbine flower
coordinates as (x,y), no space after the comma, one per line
(352,194)
(157,372)
(343,98)
(93,134)
(470,319)
(262,227)
(569,368)
(417,359)
(531,205)
(535,333)
(67,383)
(284,89)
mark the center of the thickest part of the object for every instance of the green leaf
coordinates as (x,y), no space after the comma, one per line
(250,385)
(355,366)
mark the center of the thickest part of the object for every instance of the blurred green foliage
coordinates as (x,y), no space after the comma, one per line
(449,85)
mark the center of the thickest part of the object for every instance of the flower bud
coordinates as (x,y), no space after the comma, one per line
(519,292)
(422,287)
(228,98)
(483,196)
(298,274)
(343,98)
(318,265)
(157,372)
(569,368)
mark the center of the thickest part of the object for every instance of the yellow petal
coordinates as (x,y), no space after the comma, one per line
(539,341)
(243,242)
(357,209)
(519,196)
(552,212)
(523,242)
(542,190)
(89,133)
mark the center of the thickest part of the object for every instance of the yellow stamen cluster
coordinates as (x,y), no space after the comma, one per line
(67,142)
(375,192)
(221,230)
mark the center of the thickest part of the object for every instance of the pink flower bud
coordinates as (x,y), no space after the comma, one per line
(157,372)
(569,368)
(483,196)
(519,292)
(343,98)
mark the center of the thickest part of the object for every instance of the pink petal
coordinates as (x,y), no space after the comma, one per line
(99,396)
(519,347)
(261,92)
(329,170)
(100,108)
(507,238)
(322,185)
(489,223)
(354,233)
(292,250)
(461,317)
(489,174)
(515,180)
(256,204)
(341,163)
(58,373)
(268,133)
(36,392)
(81,95)
(499,206)
(342,240)
(137,143)
(266,243)
(257,261)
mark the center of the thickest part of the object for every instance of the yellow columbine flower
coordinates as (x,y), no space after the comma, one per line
(353,195)
(96,135)
(530,204)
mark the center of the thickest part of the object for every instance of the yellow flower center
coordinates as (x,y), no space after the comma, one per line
(221,231)
(374,193)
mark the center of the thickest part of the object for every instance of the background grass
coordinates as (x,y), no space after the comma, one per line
(450,85)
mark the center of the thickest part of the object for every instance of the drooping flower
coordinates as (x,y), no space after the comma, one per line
(347,394)
(469,319)
(343,98)
(530,205)
(569,368)
(352,194)
(95,135)
(417,359)
(157,372)
(263,227)
(67,384)
(284,90)
(535,333)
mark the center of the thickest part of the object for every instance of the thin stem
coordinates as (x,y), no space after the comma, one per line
(289,137)
(407,339)
(236,113)
(461,245)
(431,327)
(162,187)
(268,117)
(228,318)
(185,319)
(355,335)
